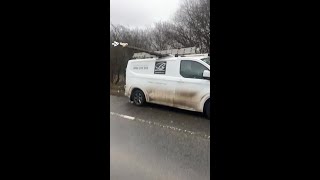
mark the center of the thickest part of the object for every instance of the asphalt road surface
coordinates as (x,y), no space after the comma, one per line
(157,142)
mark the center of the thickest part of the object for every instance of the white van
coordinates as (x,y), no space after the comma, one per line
(182,82)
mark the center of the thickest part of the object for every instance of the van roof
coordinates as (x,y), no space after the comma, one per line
(153,59)
(198,57)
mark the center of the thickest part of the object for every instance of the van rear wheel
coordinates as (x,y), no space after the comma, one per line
(138,97)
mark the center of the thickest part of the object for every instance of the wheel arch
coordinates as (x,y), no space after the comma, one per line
(133,88)
(203,102)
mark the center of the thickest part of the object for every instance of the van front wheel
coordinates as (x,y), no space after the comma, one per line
(207,109)
(138,97)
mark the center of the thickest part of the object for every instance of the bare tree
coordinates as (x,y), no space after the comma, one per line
(160,38)
(192,24)
(190,27)
(120,56)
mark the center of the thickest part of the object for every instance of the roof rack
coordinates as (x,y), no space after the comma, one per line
(182,52)
(160,55)
(189,55)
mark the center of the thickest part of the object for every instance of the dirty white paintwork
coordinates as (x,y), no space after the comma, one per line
(171,88)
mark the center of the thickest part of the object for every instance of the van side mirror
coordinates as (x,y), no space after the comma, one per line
(206,74)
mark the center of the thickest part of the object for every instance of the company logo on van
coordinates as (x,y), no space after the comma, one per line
(160,67)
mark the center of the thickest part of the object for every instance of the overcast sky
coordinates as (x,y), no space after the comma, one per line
(141,13)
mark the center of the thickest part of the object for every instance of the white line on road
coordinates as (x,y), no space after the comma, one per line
(124,116)
(157,124)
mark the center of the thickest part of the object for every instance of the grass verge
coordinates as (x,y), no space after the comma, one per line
(117,89)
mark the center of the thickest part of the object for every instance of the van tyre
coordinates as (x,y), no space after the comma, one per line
(138,97)
(207,109)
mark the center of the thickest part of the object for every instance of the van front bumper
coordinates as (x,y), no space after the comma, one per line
(126,91)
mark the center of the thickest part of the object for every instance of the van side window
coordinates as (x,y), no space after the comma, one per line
(192,69)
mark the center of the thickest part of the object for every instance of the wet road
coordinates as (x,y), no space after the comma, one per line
(157,142)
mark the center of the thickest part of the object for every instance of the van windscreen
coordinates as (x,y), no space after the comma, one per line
(206,60)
